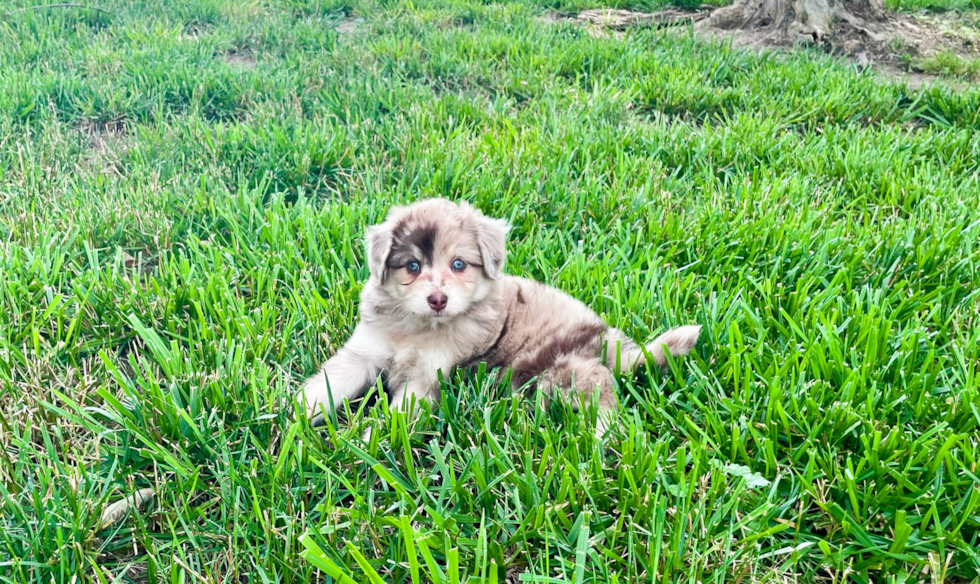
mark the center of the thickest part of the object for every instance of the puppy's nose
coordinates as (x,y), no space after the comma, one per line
(437,301)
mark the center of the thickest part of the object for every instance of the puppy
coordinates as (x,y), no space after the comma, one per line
(437,299)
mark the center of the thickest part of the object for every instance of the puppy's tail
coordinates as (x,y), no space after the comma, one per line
(627,356)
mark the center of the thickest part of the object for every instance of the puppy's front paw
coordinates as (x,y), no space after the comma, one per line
(315,393)
(604,422)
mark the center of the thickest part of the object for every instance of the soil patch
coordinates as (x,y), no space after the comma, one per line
(240,58)
(914,48)
(907,46)
(349,25)
(623,19)
(105,142)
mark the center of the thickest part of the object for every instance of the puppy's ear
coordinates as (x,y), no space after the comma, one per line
(379,238)
(491,238)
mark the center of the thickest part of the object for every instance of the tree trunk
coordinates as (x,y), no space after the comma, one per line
(810,20)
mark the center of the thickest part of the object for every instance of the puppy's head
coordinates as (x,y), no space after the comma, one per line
(436,258)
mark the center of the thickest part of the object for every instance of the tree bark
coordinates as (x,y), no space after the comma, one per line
(811,20)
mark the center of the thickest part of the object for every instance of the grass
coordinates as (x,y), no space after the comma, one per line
(932,5)
(183,186)
(949,64)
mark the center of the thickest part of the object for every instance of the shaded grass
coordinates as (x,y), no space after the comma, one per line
(163,291)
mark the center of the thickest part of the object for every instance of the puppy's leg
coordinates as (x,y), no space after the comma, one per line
(415,377)
(348,373)
(587,377)
(420,388)
(405,393)
(402,390)
(622,354)
(414,374)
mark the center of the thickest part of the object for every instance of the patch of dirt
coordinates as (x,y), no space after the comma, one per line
(105,142)
(195,31)
(553,18)
(622,19)
(601,22)
(898,45)
(349,25)
(915,80)
(893,43)
(240,58)
(145,262)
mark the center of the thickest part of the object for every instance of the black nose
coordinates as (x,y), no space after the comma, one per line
(437,301)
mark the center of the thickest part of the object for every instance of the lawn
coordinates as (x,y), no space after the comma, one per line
(183,191)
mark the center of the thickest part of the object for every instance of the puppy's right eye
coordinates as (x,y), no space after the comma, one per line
(413,267)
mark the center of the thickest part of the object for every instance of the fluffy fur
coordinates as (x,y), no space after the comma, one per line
(437,299)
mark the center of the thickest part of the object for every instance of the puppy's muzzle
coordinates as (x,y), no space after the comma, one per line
(437,301)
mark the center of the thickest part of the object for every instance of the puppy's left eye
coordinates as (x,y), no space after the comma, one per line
(459,265)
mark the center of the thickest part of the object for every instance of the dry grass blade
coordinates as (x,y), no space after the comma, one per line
(114,513)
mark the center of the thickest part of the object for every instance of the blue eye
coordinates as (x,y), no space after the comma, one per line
(459,265)
(413,267)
